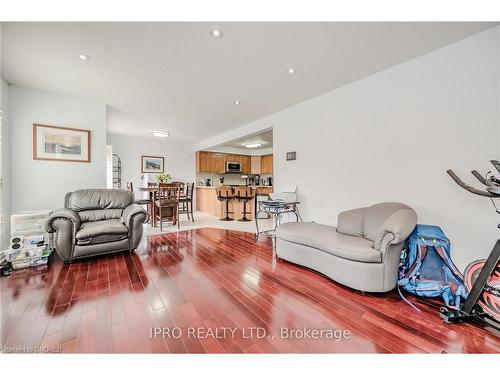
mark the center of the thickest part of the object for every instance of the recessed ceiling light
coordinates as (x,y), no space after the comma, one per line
(253,145)
(290,70)
(84,57)
(237,102)
(216,33)
(160,133)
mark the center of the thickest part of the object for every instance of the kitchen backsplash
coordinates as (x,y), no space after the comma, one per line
(229,178)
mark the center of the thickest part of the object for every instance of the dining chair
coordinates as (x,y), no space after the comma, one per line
(167,200)
(187,201)
(180,184)
(142,202)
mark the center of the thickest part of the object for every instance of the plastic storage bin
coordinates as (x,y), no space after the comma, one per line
(25,262)
(26,222)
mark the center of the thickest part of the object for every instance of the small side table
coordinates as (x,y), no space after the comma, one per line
(275,208)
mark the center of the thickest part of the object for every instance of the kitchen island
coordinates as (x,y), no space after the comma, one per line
(206,201)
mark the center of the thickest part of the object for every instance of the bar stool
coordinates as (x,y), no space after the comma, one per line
(225,194)
(244,194)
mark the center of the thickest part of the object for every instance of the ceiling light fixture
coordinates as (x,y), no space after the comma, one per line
(253,145)
(84,57)
(216,33)
(290,70)
(160,133)
(236,102)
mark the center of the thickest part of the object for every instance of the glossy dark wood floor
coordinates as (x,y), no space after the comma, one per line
(213,278)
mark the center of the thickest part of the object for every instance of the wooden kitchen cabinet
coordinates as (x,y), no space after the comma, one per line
(255,164)
(210,162)
(215,162)
(266,164)
(221,163)
(246,167)
(201,161)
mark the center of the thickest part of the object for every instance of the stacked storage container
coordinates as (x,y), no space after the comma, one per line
(28,239)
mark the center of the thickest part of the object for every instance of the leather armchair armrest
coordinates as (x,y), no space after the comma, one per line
(131,211)
(64,223)
(65,214)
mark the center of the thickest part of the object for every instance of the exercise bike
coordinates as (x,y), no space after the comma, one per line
(481,277)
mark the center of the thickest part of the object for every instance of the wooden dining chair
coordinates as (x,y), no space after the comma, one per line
(141,202)
(167,200)
(186,206)
(180,184)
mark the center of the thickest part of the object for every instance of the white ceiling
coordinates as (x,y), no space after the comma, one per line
(266,138)
(176,76)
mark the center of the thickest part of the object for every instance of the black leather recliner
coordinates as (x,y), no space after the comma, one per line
(96,222)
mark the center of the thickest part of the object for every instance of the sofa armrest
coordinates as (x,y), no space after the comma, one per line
(398,226)
(64,224)
(130,212)
(351,222)
(62,214)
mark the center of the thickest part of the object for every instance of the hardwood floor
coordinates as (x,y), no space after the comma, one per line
(211,279)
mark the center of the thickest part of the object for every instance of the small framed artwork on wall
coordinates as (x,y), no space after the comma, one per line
(152,164)
(59,143)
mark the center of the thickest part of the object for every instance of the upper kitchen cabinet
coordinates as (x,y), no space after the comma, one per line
(215,162)
(266,164)
(201,161)
(255,164)
(211,162)
(246,165)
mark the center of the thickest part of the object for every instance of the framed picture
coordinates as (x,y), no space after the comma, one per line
(61,144)
(152,164)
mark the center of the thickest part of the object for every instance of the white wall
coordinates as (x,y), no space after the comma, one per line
(37,184)
(5,166)
(393,135)
(179,158)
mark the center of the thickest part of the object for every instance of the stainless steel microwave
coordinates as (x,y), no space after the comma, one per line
(233,167)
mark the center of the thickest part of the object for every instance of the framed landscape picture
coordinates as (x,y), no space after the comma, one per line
(152,164)
(61,144)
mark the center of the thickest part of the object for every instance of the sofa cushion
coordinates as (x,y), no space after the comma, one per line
(351,222)
(327,239)
(94,232)
(98,215)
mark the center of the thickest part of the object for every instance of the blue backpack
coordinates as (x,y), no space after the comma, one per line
(427,270)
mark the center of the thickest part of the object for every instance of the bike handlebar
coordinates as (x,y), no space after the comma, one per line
(469,188)
(479,177)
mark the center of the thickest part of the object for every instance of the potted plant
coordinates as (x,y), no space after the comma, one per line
(163,178)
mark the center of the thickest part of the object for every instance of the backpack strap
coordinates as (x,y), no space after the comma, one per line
(422,253)
(444,255)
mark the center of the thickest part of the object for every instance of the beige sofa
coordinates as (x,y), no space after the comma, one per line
(362,252)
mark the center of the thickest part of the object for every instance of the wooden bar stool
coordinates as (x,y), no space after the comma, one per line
(225,194)
(244,194)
